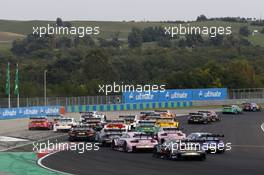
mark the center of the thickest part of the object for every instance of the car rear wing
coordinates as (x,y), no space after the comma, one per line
(161,111)
(92,119)
(115,121)
(196,114)
(204,112)
(115,125)
(146,122)
(213,135)
(140,135)
(124,117)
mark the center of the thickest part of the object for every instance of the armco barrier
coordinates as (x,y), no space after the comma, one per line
(128,106)
(24,112)
(227,102)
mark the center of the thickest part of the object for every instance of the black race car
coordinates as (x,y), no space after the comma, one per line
(82,133)
(180,149)
(212,143)
(199,118)
(251,107)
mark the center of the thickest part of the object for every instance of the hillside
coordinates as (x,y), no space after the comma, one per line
(77,66)
(107,28)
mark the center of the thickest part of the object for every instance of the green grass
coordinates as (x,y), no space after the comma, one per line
(5,45)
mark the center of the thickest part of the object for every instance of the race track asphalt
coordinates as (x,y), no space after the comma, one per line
(246,157)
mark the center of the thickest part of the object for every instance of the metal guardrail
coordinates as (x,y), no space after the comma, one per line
(227,102)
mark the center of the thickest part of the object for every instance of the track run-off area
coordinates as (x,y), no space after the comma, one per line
(246,157)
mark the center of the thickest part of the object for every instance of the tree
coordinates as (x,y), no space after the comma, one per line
(115,42)
(244,42)
(64,42)
(262,31)
(85,41)
(193,40)
(135,38)
(244,31)
(67,24)
(59,22)
(201,18)
(217,40)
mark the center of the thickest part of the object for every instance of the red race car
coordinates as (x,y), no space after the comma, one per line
(39,123)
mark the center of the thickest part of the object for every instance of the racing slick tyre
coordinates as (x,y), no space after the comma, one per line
(113,146)
(202,158)
(155,153)
(173,157)
(125,149)
(71,139)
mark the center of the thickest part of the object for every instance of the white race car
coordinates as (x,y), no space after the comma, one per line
(93,114)
(170,133)
(133,141)
(64,124)
(129,120)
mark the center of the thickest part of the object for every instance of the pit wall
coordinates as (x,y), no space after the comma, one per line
(129,106)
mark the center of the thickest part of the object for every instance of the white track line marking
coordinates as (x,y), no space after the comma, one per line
(262,127)
(39,162)
(11,139)
(32,142)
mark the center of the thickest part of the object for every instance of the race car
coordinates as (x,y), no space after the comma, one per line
(198,118)
(211,143)
(81,133)
(39,123)
(134,141)
(179,149)
(116,124)
(170,133)
(94,114)
(146,126)
(64,124)
(233,109)
(95,123)
(153,117)
(251,107)
(167,122)
(110,132)
(165,113)
(129,120)
(148,113)
(212,115)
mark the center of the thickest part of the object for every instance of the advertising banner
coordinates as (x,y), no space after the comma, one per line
(176,95)
(24,112)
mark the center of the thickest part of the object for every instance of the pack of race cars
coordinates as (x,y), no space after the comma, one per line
(158,131)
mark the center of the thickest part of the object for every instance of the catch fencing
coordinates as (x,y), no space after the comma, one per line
(62,101)
(235,96)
